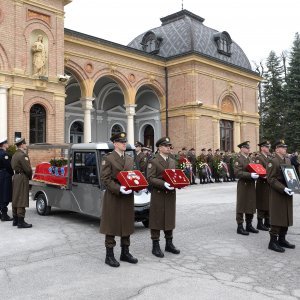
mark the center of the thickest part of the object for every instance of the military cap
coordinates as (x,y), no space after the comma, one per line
(164,141)
(280,143)
(146,149)
(138,144)
(245,144)
(20,141)
(209,149)
(217,150)
(119,137)
(264,144)
(3,140)
(203,149)
(192,149)
(183,149)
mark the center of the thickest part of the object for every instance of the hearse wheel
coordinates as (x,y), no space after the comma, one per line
(42,207)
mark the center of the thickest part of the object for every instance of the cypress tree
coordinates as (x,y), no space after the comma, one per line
(272,108)
(293,97)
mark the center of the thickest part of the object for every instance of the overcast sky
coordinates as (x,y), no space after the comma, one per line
(258,26)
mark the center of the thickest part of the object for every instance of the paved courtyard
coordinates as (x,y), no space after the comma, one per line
(62,257)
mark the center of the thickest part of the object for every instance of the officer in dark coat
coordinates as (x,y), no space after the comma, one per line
(281,200)
(163,199)
(262,188)
(246,195)
(140,158)
(117,217)
(6,173)
(191,156)
(21,165)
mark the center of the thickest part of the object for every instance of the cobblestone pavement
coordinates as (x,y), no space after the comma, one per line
(62,257)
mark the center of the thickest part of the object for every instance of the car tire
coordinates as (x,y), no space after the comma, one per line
(146,223)
(41,205)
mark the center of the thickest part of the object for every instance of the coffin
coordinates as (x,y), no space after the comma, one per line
(176,178)
(258,169)
(46,173)
(132,180)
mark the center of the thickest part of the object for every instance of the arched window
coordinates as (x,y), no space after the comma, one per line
(37,124)
(226,135)
(151,43)
(223,41)
(116,129)
(76,132)
(149,137)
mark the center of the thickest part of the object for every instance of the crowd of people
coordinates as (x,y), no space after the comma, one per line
(268,195)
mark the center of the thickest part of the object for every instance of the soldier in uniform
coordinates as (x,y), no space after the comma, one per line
(118,203)
(163,199)
(216,161)
(202,159)
(210,161)
(262,188)
(246,194)
(281,200)
(140,159)
(191,156)
(21,165)
(6,174)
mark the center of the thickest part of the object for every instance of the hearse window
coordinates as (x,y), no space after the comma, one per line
(85,167)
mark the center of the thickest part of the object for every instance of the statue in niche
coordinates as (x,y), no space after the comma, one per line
(39,57)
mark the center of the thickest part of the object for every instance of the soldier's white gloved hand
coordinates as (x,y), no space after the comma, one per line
(144,190)
(168,186)
(288,191)
(254,175)
(123,191)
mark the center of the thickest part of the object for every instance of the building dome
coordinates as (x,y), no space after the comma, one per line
(183,33)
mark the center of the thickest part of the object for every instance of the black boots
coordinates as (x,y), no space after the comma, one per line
(241,230)
(260,225)
(15,221)
(22,223)
(5,217)
(273,244)
(110,258)
(170,247)
(284,243)
(156,249)
(250,228)
(126,256)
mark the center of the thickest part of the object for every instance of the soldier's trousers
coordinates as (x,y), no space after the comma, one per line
(278,230)
(110,241)
(240,218)
(155,234)
(19,211)
(262,214)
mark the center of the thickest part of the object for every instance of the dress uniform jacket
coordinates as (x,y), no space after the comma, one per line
(118,209)
(141,162)
(6,173)
(246,198)
(21,165)
(281,204)
(262,185)
(163,201)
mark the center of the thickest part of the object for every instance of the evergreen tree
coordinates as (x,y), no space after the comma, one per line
(293,97)
(272,108)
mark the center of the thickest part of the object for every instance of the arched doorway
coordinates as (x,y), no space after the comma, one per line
(76,132)
(149,137)
(37,124)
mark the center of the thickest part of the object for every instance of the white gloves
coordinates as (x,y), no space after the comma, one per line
(168,186)
(288,191)
(254,175)
(123,191)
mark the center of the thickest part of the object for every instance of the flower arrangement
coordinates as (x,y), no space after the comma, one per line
(58,162)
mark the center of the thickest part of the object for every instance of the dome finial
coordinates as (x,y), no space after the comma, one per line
(181,4)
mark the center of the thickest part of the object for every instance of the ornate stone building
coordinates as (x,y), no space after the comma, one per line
(182,79)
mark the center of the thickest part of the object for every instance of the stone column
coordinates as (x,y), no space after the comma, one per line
(130,112)
(236,136)
(3,112)
(87,106)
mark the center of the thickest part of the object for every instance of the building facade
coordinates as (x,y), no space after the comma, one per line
(182,79)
